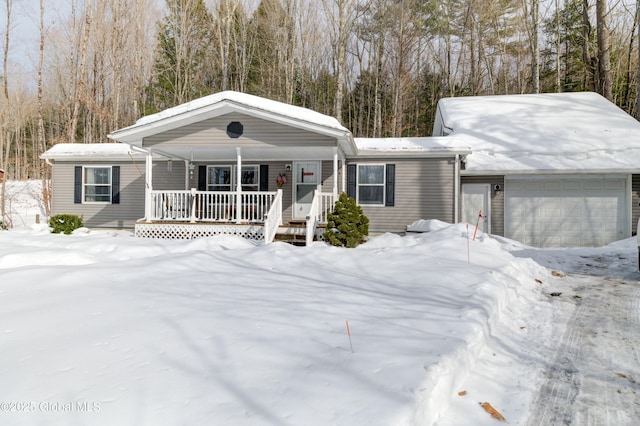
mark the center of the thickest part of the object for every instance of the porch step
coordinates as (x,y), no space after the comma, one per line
(297,224)
(293,239)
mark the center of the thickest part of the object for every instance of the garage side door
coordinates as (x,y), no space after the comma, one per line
(566,212)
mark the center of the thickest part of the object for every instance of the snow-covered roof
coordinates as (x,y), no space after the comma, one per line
(229,101)
(556,132)
(70,151)
(414,147)
(247,100)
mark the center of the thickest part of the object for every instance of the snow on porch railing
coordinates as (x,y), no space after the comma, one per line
(210,206)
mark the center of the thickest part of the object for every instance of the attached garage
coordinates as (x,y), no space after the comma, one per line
(567,211)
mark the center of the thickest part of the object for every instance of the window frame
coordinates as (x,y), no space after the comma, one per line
(85,185)
(210,186)
(382,185)
(234,173)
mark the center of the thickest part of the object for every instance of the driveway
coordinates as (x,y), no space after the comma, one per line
(593,374)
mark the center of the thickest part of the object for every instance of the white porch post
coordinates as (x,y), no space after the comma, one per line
(148,203)
(344,175)
(335,173)
(238,184)
(186,174)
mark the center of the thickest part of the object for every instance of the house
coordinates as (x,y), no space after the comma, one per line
(549,170)
(546,170)
(239,164)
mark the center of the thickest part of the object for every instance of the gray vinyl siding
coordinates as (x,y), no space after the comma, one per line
(327,176)
(165,179)
(497,199)
(123,215)
(635,203)
(257,133)
(424,189)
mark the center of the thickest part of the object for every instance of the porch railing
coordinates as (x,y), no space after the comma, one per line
(321,205)
(211,206)
(273,218)
(171,205)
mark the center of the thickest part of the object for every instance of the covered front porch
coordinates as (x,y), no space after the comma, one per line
(257,194)
(256,215)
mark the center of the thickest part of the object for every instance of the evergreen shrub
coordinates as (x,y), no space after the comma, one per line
(347,226)
(65,223)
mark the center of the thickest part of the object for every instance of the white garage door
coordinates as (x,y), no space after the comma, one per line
(566,212)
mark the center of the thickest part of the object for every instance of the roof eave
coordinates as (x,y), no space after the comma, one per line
(134,134)
(410,153)
(549,172)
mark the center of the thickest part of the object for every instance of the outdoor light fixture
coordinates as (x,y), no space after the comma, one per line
(192,167)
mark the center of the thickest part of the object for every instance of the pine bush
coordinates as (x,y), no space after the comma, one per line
(65,223)
(347,226)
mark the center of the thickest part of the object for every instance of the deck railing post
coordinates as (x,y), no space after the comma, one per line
(193,205)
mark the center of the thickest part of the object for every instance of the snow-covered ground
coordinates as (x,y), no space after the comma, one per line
(103,328)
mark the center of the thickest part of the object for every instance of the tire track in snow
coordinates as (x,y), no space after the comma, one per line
(594,376)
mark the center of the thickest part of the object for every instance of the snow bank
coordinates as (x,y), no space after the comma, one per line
(183,332)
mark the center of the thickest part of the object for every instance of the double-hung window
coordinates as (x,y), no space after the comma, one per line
(97,184)
(372,184)
(371,178)
(223,178)
(219,178)
(249,178)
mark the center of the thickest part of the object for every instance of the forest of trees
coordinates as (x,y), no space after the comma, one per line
(379,66)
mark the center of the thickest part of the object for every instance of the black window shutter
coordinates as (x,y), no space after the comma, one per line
(115,185)
(390,187)
(351,180)
(264,177)
(77,185)
(202,178)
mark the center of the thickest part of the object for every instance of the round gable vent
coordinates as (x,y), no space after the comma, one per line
(235,129)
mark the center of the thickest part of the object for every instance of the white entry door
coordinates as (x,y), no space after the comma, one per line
(306,180)
(475,201)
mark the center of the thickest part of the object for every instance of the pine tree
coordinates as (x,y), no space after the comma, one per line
(347,226)
(182,70)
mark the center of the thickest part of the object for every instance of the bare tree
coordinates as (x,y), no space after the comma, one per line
(4,148)
(46,191)
(535,18)
(604,50)
(342,15)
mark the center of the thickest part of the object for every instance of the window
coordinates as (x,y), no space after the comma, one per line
(371,183)
(223,178)
(249,178)
(97,185)
(219,178)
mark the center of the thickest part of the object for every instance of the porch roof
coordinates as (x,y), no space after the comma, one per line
(90,151)
(227,102)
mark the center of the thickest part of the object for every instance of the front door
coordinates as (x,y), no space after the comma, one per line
(475,202)
(307,179)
